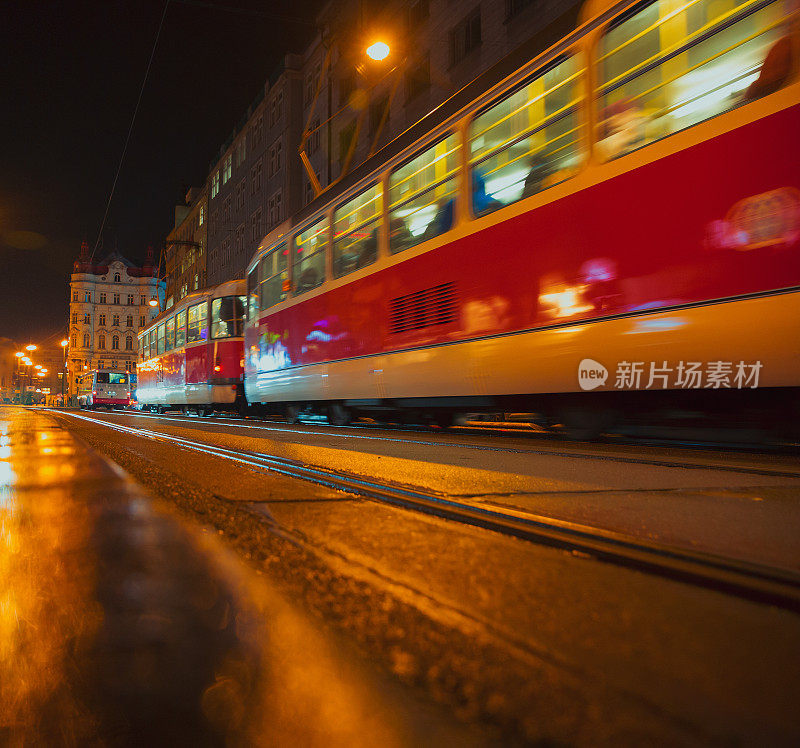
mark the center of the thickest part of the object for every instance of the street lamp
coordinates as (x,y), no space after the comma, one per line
(64,344)
(30,347)
(378,51)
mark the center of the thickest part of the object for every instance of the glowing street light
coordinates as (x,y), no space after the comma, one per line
(378,51)
(37,366)
(30,347)
(19,354)
(153,303)
(64,343)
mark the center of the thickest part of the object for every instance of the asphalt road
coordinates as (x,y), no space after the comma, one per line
(531,642)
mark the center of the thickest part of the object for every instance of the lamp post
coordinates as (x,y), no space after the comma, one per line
(64,344)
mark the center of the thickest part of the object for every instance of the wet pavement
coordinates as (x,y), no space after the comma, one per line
(121,625)
(547,646)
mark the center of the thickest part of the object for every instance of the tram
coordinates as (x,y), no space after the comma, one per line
(106,389)
(190,356)
(616,225)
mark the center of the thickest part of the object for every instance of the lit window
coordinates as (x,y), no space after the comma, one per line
(116,298)
(215,184)
(101,342)
(102,298)
(117,278)
(202,217)
(101,320)
(309,257)
(227,168)
(355,231)
(528,141)
(422,195)
(130,298)
(116,320)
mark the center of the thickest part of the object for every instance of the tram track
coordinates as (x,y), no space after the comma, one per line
(748,580)
(697,461)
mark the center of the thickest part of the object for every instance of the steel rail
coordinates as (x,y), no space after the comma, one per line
(748,580)
(267,426)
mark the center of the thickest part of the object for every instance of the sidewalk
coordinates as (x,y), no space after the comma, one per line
(119,624)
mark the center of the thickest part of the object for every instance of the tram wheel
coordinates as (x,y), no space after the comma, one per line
(338,415)
(443,419)
(293,413)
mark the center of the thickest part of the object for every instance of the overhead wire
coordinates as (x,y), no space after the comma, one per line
(130,130)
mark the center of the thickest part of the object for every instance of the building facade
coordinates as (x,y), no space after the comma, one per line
(185,247)
(353,106)
(109,304)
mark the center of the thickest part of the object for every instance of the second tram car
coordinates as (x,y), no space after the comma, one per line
(190,356)
(618,219)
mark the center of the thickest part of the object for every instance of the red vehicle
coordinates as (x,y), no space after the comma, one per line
(613,228)
(190,357)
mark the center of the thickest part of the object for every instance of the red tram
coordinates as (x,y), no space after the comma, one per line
(190,356)
(614,226)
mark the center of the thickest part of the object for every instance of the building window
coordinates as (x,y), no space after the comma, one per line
(255,226)
(116,298)
(347,84)
(74,318)
(418,78)
(311,83)
(202,215)
(227,168)
(113,364)
(241,150)
(142,321)
(276,110)
(87,319)
(101,342)
(102,298)
(226,210)
(275,157)
(258,130)
(346,136)
(465,37)
(128,343)
(142,300)
(117,278)
(101,320)
(73,341)
(86,341)
(130,299)
(100,363)
(115,344)
(87,297)
(312,144)
(376,113)
(274,208)
(418,12)
(129,321)
(308,193)
(75,296)
(255,177)
(516,6)
(129,365)
(215,184)
(116,320)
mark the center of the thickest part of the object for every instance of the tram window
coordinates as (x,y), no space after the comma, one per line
(169,343)
(664,69)
(180,329)
(529,141)
(116,378)
(273,273)
(196,328)
(422,195)
(252,293)
(355,231)
(227,317)
(101,377)
(160,339)
(308,260)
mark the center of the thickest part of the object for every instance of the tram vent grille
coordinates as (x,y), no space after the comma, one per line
(431,306)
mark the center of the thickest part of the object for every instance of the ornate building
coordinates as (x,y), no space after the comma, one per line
(109,304)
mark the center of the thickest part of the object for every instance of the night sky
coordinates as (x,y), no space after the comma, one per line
(71,75)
